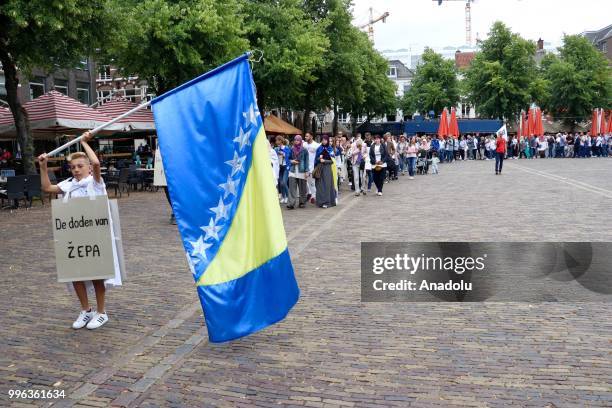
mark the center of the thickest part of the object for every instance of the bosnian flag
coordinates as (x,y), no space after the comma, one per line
(503,132)
(217,165)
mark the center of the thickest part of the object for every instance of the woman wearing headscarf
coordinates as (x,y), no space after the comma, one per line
(298,189)
(326,190)
(378,158)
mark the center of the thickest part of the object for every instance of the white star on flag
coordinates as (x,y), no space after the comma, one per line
(251,115)
(220,210)
(212,230)
(236,163)
(229,187)
(199,247)
(243,138)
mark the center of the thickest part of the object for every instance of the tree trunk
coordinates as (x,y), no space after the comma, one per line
(354,123)
(20,116)
(260,102)
(335,121)
(306,122)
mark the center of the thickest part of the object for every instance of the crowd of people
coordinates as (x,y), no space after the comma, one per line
(307,171)
(560,145)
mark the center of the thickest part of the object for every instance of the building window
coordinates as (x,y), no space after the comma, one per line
(392,72)
(103,96)
(83,92)
(37,87)
(61,85)
(2,89)
(343,117)
(83,64)
(130,93)
(465,110)
(105,73)
(604,47)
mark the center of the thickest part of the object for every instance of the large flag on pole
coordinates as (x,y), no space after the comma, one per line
(217,166)
(503,133)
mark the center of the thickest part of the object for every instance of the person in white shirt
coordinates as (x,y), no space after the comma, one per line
(274,160)
(357,153)
(311,147)
(542,146)
(86,181)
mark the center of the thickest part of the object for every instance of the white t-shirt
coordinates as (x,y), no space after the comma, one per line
(311,148)
(83,188)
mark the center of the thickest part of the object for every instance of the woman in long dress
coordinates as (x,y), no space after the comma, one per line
(326,190)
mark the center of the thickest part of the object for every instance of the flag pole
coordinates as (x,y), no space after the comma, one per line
(99,128)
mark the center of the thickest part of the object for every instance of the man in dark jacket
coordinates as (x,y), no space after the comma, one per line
(378,158)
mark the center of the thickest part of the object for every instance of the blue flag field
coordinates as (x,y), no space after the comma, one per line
(217,166)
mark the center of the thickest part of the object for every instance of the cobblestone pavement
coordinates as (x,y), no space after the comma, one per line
(332,350)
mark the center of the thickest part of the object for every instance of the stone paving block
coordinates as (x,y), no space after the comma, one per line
(331,347)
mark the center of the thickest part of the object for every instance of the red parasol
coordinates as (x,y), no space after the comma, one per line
(602,125)
(530,123)
(453,127)
(539,130)
(443,128)
(593,131)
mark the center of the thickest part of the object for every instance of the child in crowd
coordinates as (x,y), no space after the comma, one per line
(434,163)
(86,181)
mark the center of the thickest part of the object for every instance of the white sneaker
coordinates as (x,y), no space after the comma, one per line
(82,320)
(411,178)
(98,320)
(379,193)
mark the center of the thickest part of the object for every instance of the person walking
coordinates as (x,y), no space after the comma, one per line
(326,189)
(411,155)
(378,158)
(311,147)
(298,170)
(500,152)
(358,154)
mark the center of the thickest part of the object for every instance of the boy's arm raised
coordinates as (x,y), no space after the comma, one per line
(93,159)
(46,185)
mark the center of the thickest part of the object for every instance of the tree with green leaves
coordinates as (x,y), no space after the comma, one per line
(293,50)
(434,85)
(501,77)
(168,42)
(378,90)
(49,35)
(578,80)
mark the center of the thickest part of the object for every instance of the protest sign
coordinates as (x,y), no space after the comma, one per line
(159,177)
(83,239)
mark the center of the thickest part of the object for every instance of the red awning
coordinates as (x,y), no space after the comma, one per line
(141,120)
(56,113)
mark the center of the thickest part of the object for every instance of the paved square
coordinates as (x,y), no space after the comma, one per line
(332,350)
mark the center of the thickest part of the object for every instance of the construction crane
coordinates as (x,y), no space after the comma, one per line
(372,21)
(468,19)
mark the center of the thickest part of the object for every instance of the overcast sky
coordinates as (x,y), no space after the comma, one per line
(418,23)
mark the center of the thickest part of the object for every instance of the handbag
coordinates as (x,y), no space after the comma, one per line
(316,173)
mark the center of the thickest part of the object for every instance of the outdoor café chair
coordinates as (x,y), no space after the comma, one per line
(15,190)
(32,187)
(120,182)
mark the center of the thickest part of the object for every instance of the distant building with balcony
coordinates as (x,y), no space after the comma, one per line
(110,82)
